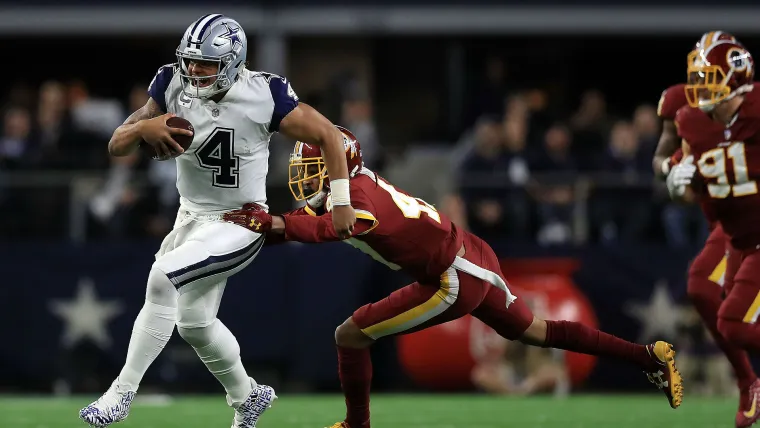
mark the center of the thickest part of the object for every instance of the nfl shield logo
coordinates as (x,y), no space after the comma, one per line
(727,134)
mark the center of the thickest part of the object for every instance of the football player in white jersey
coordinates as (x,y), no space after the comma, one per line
(234,112)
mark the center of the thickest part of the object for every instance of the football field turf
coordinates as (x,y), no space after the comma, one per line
(397,411)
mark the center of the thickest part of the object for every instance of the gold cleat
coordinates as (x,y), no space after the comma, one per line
(339,425)
(666,377)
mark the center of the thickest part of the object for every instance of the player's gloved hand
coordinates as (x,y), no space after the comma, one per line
(159,135)
(680,176)
(252,216)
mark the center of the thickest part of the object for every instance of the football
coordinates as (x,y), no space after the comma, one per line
(183,140)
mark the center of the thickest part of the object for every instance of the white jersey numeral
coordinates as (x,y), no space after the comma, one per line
(409,206)
(217,153)
(712,164)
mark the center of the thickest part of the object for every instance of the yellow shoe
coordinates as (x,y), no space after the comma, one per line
(666,376)
(339,425)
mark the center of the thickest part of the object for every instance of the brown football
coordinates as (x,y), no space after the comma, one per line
(183,140)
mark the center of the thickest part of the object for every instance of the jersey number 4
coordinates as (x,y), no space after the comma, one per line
(409,206)
(712,164)
(217,153)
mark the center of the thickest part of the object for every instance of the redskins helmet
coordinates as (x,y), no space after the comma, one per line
(712,37)
(307,164)
(718,71)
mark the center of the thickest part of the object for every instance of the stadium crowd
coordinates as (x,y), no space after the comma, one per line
(521,168)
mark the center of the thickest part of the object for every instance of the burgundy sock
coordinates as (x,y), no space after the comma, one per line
(576,337)
(705,295)
(355,370)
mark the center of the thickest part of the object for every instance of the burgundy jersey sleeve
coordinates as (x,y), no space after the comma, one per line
(671,100)
(313,229)
(273,238)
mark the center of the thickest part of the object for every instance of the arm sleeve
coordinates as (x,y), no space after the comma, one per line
(310,228)
(305,228)
(159,84)
(284,98)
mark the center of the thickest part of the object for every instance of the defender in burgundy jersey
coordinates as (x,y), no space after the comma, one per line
(721,130)
(456,274)
(707,273)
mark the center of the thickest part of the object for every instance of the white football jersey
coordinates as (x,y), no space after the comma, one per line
(226,165)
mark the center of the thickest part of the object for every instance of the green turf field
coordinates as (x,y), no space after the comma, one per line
(397,411)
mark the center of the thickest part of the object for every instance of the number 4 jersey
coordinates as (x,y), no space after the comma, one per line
(728,162)
(394,228)
(227,164)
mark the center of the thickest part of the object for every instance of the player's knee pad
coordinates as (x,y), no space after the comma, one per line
(198,336)
(160,289)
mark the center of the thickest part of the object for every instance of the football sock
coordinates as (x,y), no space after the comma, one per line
(152,329)
(576,337)
(355,370)
(222,358)
(705,295)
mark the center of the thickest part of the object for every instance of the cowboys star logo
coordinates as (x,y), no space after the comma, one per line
(232,36)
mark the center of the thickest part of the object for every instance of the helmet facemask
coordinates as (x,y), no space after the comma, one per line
(708,85)
(191,85)
(307,176)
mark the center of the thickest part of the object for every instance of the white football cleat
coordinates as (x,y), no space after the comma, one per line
(111,407)
(249,411)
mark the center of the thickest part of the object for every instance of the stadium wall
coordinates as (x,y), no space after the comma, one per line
(68,310)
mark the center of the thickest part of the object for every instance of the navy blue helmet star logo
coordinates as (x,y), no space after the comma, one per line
(232,34)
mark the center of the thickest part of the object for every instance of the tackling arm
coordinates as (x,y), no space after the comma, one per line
(311,229)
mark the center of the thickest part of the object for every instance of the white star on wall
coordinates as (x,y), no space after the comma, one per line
(85,316)
(660,317)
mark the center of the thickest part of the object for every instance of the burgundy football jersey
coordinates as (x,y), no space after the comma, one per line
(393,227)
(728,162)
(671,100)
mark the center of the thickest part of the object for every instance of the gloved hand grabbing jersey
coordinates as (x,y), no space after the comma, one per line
(252,216)
(680,176)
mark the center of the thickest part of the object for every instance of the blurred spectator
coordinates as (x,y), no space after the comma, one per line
(590,124)
(493,174)
(554,190)
(625,215)
(647,126)
(490,90)
(15,144)
(485,210)
(356,115)
(100,116)
(111,206)
(624,153)
(52,123)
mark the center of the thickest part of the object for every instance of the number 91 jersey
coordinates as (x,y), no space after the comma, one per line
(227,164)
(728,162)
